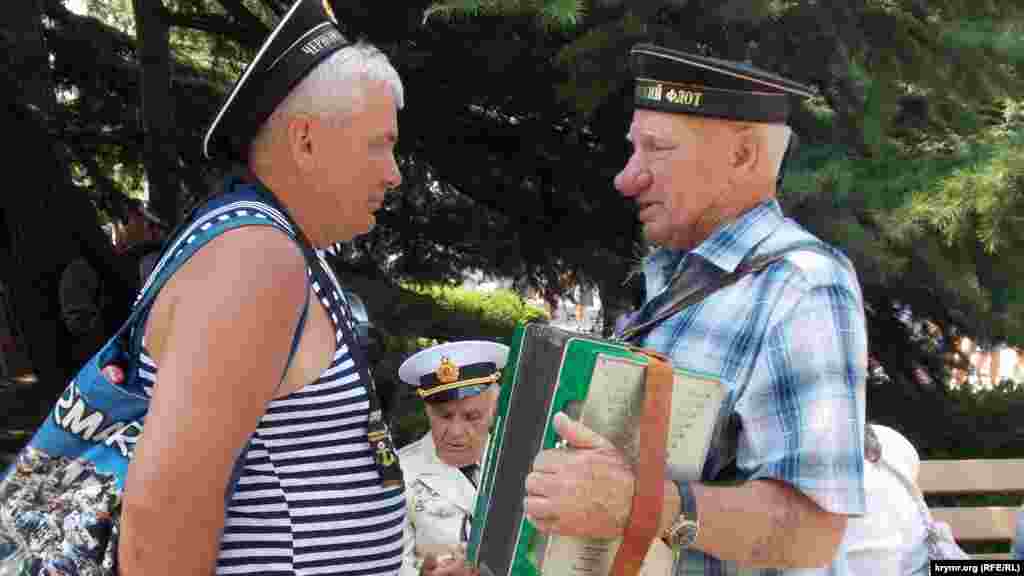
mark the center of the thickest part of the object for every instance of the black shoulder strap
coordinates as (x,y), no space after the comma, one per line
(684,297)
(378,432)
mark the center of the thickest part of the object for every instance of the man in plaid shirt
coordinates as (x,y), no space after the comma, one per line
(785,467)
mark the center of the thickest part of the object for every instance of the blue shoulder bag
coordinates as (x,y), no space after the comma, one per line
(60,499)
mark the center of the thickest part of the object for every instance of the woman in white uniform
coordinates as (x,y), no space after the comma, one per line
(458,385)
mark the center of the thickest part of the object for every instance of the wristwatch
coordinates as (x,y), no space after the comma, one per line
(682,533)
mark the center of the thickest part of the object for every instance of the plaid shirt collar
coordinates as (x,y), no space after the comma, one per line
(725,248)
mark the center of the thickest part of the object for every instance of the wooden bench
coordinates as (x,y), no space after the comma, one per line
(962,477)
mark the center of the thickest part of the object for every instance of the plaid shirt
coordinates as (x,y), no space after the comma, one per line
(791,344)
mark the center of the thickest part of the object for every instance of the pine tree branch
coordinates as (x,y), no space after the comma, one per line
(246,19)
(278,7)
(106,187)
(217,24)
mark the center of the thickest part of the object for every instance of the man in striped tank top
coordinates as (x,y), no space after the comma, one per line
(263,450)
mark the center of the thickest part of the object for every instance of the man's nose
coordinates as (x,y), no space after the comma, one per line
(633,179)
(394,179)
(458,428)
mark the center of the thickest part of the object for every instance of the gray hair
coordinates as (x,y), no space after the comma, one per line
(872,446)
(334,88)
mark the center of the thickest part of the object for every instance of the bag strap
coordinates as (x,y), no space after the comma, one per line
(684,298)
(378,432)
(297,336)
(648,492)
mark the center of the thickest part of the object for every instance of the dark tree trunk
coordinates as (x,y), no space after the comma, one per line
(158,109)
(34,239)
(39,251)
(48,222)
(48,227)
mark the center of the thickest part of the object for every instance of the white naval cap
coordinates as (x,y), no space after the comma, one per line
(454,370)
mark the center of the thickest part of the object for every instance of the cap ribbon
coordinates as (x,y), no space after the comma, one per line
(737,105)
(448,376)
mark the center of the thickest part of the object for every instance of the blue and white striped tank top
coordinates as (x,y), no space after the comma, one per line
(309,499)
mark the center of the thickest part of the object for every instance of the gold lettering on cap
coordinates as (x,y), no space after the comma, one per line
(685,97)
(658,91)
(651,92)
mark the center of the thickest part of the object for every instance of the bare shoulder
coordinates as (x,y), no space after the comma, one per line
(221,333)
(254,274)
(260,254)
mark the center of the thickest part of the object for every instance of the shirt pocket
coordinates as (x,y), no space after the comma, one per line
(439,508)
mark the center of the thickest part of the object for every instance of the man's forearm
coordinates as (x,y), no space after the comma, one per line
(671,506)
(765,524)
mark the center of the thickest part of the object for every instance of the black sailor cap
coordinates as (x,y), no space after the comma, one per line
(672,81)
(305,37)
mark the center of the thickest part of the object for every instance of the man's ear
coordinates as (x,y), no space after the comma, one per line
(300,141)
(746,153)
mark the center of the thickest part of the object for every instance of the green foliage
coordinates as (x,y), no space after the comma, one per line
(993,417)
(498,311)
(410,425)
(982,200)
(1001,37)
(941,213)
(115,13)
(884,183)
(219,59)
(411,318)
(558,12)
(589,85)
(474,315)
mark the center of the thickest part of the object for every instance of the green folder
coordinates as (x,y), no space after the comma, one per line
(600,382)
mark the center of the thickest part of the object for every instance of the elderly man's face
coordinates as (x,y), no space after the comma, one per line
(459,427)
(678,173)
(354,164)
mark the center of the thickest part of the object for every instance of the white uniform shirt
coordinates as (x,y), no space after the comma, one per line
(440,502)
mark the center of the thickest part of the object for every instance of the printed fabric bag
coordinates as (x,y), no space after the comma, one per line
(60,498)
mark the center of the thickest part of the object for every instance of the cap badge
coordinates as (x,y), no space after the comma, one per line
(329,10)
(447,372)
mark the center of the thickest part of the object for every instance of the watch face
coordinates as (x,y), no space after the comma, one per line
(686,535)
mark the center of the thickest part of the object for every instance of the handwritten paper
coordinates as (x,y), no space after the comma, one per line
(613,408)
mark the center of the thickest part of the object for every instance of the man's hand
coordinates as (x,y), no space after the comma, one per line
(584,491)
(447,565)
